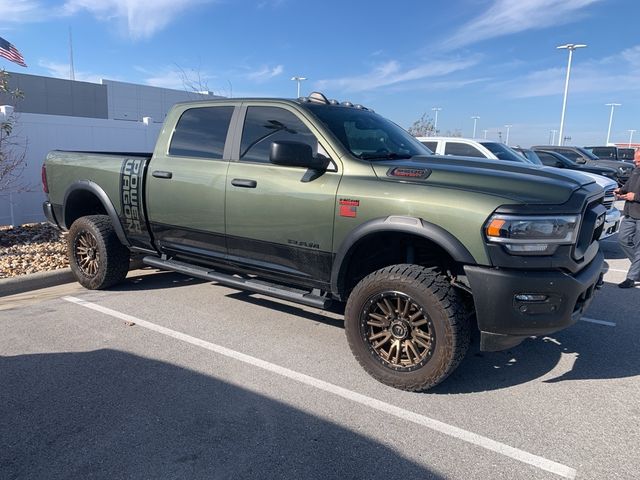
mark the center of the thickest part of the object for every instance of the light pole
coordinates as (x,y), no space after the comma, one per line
(475,122)
(612,105)
(485,134)
(553,133)
(508,127)
(435,121)
(571,47)
(299,80)
(631,132)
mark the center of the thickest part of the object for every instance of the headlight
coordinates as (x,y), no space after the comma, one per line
(532,235)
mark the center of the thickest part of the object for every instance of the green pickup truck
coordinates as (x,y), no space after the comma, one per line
(316,201)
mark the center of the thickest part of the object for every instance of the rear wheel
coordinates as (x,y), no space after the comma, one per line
(406,326)
(97,258)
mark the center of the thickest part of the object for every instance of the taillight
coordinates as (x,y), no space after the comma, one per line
(45,186)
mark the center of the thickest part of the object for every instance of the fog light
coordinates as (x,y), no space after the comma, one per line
(531,297)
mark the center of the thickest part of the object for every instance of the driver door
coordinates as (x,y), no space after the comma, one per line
(276,221)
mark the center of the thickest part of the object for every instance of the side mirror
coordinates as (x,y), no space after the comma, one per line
(581,160)
(296,154)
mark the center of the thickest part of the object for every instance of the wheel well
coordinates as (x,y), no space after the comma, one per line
(81,203)
(383,249)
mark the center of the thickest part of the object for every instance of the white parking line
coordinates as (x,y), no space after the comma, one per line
(464,435)
(616,270)
(599,322)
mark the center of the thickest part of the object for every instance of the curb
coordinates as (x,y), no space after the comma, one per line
(35,281)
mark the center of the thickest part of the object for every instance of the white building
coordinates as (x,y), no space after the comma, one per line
(58,114)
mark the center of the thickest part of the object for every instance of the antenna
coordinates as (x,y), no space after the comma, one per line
(72,75)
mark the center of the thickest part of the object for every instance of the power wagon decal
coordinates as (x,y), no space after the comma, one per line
(132,213)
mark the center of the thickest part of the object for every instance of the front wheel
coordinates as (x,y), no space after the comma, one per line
(406,326)
(97,258)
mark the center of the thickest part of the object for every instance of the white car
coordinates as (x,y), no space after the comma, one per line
(465,147)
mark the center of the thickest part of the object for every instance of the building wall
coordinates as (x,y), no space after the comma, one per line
(55,96)
(42,133)
(128,101)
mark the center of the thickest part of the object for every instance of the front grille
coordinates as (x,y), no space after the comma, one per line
(609,198)
(591,228)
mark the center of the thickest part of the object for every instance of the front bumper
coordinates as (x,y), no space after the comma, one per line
(505,320)
(611,223)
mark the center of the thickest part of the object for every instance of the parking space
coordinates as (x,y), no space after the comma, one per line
(171,377)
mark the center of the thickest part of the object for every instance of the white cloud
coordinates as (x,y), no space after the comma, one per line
(141,18)
(178,79)
(392,73)
(265,73)
(507,17)
(21,11)
(61,70)
(616,73)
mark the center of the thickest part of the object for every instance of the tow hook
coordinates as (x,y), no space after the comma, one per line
(600,282)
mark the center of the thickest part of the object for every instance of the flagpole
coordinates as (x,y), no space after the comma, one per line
(72,75)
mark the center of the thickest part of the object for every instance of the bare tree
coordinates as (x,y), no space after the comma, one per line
(12,148)
(423,127)
(194,82)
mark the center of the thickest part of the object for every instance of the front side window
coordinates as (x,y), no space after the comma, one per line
(264,125)
(462,149)
(201,132)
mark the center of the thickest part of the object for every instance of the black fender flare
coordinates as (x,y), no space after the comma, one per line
(401,224)
(95,189)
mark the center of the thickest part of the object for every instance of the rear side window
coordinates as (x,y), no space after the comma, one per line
(201,132)
(462,149)
(264,125)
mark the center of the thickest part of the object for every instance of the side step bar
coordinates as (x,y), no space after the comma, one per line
(257,286)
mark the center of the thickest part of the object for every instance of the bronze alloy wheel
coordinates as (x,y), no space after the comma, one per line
(86,253)
(397,331)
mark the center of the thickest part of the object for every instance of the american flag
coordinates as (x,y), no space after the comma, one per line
(11,53)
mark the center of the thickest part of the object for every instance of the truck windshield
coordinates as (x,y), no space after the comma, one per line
(367,135)
(503,152)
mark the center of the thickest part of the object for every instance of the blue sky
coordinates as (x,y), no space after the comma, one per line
(493,58)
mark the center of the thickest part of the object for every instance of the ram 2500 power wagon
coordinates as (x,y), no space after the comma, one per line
(314,201)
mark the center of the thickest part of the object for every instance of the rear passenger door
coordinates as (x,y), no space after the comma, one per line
(186,182)
(277,221)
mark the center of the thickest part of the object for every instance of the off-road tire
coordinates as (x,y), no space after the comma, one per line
(442,307)
(97,258)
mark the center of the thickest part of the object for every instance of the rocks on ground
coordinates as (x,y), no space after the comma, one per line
(31,248)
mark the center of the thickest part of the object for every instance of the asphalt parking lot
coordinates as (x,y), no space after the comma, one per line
(171,377)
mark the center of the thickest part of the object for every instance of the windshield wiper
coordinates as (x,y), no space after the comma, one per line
(384,156)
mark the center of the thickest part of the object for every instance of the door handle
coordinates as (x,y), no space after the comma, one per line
(241,182)
(162,174)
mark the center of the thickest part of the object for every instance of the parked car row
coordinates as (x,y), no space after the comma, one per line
(608,174)
(582,156)
(611,152)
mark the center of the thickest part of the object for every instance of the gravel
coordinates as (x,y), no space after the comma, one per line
(31,248)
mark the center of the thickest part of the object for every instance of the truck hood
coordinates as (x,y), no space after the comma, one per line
(520,182)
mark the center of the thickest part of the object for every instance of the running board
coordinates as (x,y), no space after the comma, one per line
(257,286)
